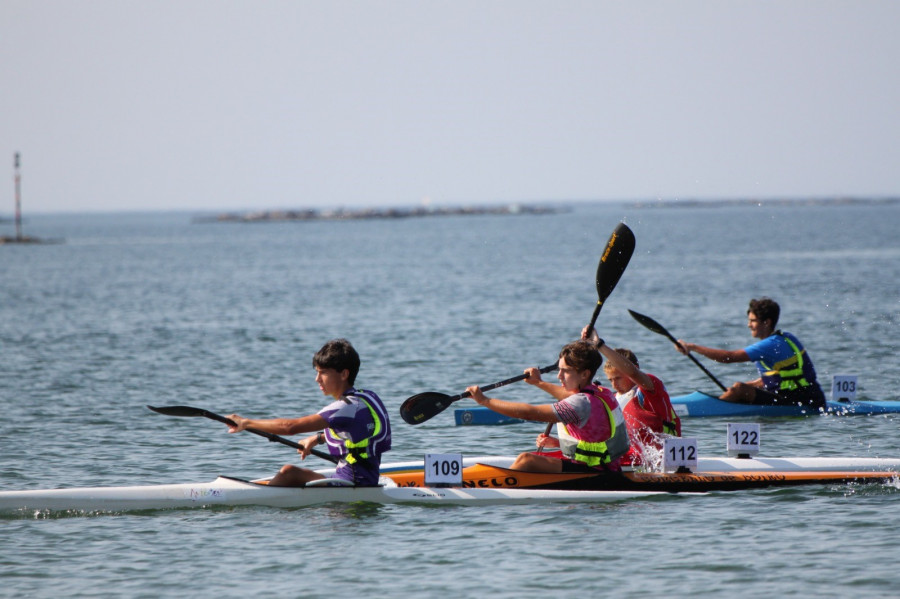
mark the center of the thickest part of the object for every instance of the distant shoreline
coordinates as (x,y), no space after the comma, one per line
(199,215)
(309,214)
(26,240)
(763,202)
(373,213)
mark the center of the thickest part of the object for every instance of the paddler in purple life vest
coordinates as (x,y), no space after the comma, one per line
(787,376)
(590,426)
(355,426)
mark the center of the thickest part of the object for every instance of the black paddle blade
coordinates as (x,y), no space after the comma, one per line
(612,265)
(189,412)
(425,406)
(177,410)
(615,258)
(649,323)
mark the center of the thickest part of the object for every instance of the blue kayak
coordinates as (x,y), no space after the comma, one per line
(481,416)
(699,405)
(702,405)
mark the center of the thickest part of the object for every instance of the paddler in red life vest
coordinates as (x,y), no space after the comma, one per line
(649,414)
(590,425)
(787,376)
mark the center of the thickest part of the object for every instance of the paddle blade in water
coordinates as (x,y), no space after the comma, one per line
(424,406)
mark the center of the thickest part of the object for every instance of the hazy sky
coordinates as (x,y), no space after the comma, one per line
(226,105)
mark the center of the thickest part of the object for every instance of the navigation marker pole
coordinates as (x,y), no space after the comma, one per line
(18,200)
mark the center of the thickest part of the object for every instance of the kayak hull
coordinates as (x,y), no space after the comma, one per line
(487,481)
(481,476)
(703,405)
(482,416)
(225,491)
(704,464)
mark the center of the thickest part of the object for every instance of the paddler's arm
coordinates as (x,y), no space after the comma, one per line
(544,413)
(626,366)
(719,355)
(533,377)
(620,362)
(307,444)
(279,426)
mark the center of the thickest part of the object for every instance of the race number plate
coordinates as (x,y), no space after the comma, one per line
(679,453)
(843,387)
(443,469)
(743,438)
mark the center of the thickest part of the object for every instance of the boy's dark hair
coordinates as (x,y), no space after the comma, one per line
(765,308)
(582,355)
(338,355)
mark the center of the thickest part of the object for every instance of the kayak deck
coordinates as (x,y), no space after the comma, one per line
(481,476)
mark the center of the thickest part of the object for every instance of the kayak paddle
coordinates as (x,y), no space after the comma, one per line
(189,411)
(659,329)
(613,261)
(425,406)
(612,265)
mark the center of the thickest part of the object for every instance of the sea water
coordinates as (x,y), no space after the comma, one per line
(138,309)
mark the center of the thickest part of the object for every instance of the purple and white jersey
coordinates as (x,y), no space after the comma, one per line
(350,419)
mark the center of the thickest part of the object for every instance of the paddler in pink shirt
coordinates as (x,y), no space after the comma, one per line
(590,425)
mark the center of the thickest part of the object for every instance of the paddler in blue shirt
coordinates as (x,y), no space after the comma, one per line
(591,428)
(787,376)
(356,425)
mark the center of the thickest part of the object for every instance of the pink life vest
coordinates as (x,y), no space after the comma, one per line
(603,439)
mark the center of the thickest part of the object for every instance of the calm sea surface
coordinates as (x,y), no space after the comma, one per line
(137,309)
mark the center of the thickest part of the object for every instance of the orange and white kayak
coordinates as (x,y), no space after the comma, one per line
(487,480)
(487,476)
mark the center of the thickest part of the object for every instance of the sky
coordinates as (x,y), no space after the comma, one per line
(224,105)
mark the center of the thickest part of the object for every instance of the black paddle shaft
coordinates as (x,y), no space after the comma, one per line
(661,330)
(200,412)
